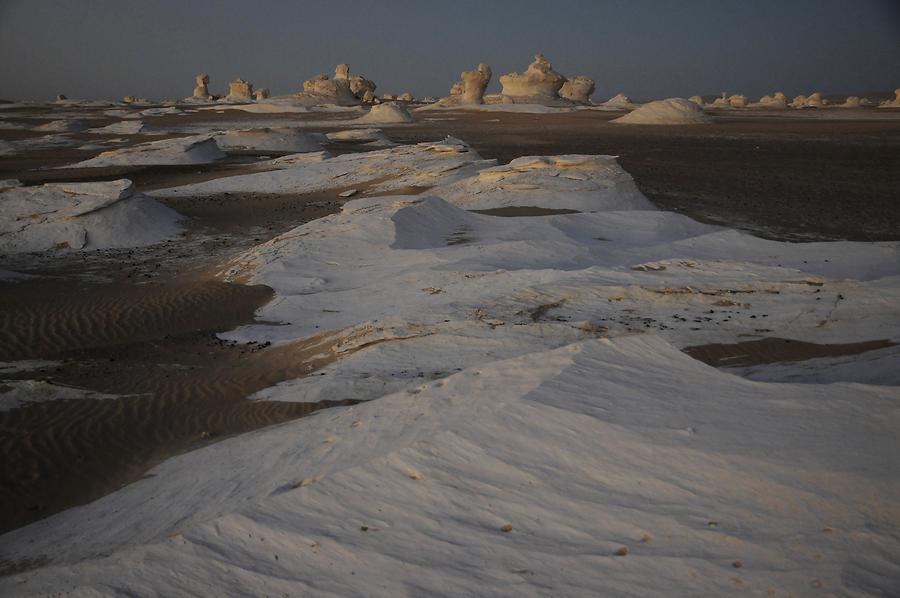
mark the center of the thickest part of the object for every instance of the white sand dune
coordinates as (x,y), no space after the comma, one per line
(200,149)
(81,216)
(674,111)
(532,427)
(385,114)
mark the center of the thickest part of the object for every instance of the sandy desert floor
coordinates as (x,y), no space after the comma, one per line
(145,324)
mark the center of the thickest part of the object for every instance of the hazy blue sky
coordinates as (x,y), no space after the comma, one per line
(645,48)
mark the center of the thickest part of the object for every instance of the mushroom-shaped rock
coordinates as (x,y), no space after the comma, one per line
(388,113)
(261,94)
(674,111)
(697,100)
(240,91)
(201,89)
(538,84)
(470,88)
(578,89)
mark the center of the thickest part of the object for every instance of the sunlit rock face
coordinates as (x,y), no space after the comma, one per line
(240,90)
(539,84)
(777,100)
(697,100)
(261,94)
(578,89)
(406,97)
(336,90)
(201,87)
(469,90)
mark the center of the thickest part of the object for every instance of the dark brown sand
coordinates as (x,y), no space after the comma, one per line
(773,174)
(775,350)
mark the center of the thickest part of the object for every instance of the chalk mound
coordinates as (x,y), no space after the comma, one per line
(674,111)
(387,113)
(697,100)
(578,89)
(200,149)
(620,100)
(538,84)
(283,139)
(81,216)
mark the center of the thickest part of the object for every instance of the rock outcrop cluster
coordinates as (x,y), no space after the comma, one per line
(342,89)
(539,84)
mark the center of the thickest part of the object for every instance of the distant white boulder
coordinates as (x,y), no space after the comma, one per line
(240,91)
(539,84)
(895,103)
(674,111)
(578,89)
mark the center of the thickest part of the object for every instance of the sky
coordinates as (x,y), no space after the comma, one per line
(645,48)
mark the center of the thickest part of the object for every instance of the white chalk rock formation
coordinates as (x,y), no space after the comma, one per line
(388,97)
(539,84)
(619,101)
(578,89)
(200,149)
(282,139)
(674,111)
(697,100)
(322,90)
(721,101)
(368,96)
(387,113)
(61,98)
(406,97)
(361,87)
(851,102)
(469,90)
(815,100)
(201,87)
(240,91)
(261,94)
(776,101)
(895,103)
(81,216)
(737,101)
